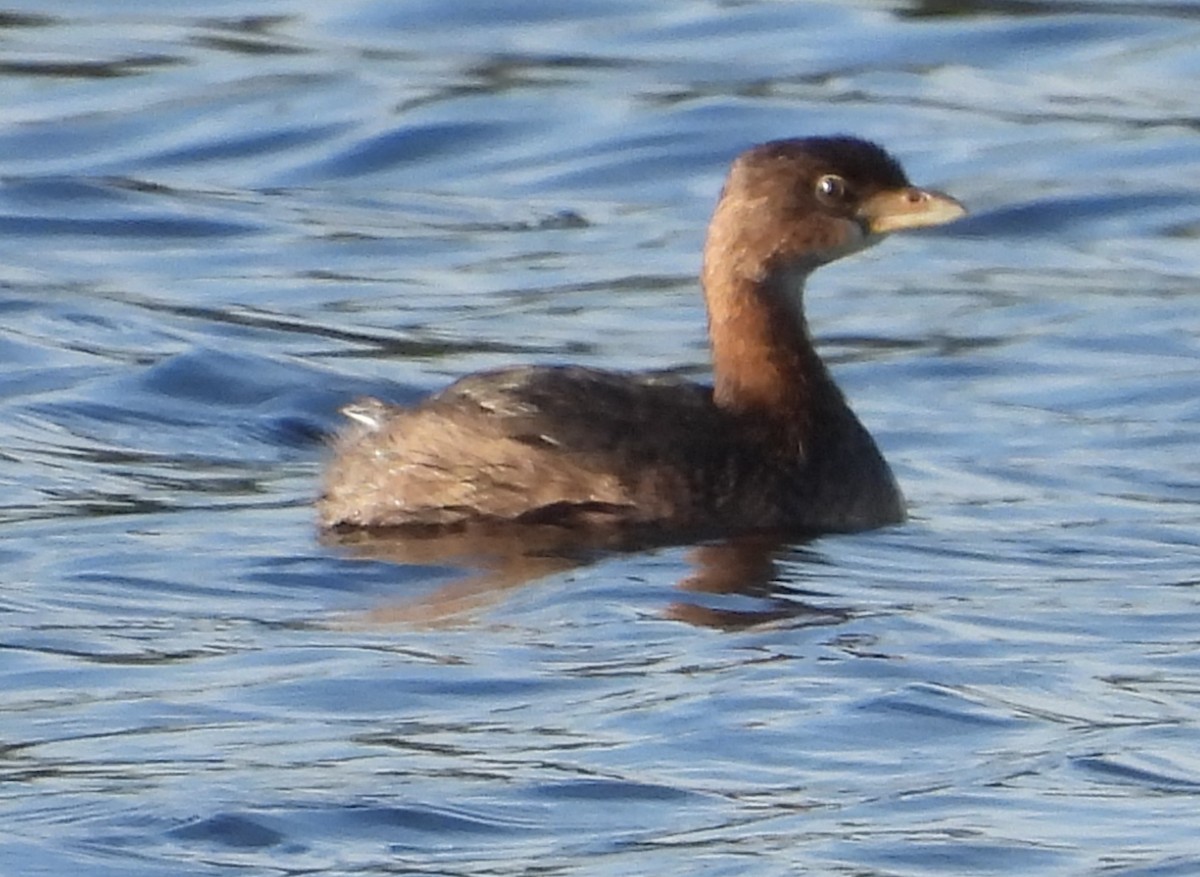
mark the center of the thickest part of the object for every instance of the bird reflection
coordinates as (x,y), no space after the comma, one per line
(733,584)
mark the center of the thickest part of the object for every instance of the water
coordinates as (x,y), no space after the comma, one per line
(219,224)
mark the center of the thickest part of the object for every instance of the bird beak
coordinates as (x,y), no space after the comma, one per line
(910,207)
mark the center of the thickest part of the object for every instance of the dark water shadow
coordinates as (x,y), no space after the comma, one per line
(495,560)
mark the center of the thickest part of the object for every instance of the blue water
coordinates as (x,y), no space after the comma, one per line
(219,223)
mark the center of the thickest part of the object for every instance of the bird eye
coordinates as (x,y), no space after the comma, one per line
(831,187)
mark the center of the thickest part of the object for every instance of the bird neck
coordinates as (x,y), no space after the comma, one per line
(765,366)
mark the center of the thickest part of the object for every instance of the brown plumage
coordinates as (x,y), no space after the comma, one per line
(772,445)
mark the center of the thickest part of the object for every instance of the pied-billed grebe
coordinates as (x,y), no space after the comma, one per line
(772,445)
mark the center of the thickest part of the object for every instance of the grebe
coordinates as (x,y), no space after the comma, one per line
(770,446)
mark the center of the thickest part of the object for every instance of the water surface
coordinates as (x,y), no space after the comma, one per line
(219,224)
